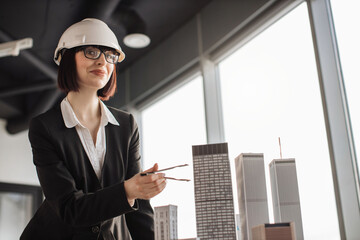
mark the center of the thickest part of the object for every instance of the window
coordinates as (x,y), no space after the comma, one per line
(270,89)
(170,127)
(18,204)
(348,38)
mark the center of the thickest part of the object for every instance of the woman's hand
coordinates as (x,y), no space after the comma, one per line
(144,187)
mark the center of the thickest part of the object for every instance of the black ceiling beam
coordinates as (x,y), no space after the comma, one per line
(32,87)
(8,111)
(102,9)
(47,100)
(130,19)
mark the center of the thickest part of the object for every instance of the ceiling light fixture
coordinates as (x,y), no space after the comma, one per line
(136,40)
(13,48)
(135,29)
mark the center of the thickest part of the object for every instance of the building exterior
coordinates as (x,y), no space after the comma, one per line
(252,196)
(214,205)
(285,193)
(166,223)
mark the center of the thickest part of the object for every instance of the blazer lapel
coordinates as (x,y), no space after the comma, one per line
(113,170)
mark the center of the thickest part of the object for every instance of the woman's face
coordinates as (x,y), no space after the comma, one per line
(92,73)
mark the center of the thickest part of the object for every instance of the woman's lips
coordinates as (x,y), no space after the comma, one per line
(98,72)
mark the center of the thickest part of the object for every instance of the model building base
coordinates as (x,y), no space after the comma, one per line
(274,231)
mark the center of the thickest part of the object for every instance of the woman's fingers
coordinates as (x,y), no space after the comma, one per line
(153,169)
(151,177)
(145,187)
(157,189)
(151,181)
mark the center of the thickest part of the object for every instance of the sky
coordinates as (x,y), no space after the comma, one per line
(348,39)
(269,89)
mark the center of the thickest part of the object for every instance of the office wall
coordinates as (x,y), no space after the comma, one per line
(16,158)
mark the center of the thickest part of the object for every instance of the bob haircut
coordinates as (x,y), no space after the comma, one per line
(67,76)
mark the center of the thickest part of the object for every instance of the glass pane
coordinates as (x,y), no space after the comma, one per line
(270,89)
(346,15)
(170,127)
(15,213)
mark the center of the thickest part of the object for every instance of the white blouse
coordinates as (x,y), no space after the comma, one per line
(95,153)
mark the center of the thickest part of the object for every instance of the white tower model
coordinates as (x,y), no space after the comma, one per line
(252,196)
(285,193)
(166,223)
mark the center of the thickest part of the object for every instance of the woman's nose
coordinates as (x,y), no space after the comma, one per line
(101,60)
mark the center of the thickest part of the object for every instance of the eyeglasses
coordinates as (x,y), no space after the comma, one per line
(94,52)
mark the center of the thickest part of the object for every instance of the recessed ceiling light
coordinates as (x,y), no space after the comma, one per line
(136,40)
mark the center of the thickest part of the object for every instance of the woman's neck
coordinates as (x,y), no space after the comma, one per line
(85,105)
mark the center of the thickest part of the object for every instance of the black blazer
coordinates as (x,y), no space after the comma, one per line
(77,205)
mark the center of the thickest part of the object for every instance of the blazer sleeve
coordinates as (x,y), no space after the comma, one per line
(141,222)
(72,205)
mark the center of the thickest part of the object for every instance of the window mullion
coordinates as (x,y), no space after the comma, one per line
(336,118)
(212,100)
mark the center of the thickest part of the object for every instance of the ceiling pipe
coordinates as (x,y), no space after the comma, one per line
(102,9)
(51,72)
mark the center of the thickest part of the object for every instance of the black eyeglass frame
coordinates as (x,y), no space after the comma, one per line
(102,50)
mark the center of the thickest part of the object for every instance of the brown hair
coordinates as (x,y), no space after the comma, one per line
(67,76)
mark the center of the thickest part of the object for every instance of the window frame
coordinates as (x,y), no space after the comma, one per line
(35,192)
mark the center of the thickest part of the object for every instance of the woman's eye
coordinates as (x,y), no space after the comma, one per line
(91,53)
(111,57)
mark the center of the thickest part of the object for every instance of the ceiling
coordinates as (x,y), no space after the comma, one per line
(28,81)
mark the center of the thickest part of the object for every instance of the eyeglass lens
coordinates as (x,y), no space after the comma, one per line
(94,53)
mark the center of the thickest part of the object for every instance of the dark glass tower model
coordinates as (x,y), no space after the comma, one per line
(215,218)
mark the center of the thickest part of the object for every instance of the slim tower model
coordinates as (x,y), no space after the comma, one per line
(252,196)
(214,205)
(166,223)
(285,193)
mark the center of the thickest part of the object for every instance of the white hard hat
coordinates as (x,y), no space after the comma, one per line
(89,31)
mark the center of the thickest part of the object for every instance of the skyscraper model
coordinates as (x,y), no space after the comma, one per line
(214,205)
(251,188)
(166,223)
(285,193)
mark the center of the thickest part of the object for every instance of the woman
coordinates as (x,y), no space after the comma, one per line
(87,155)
